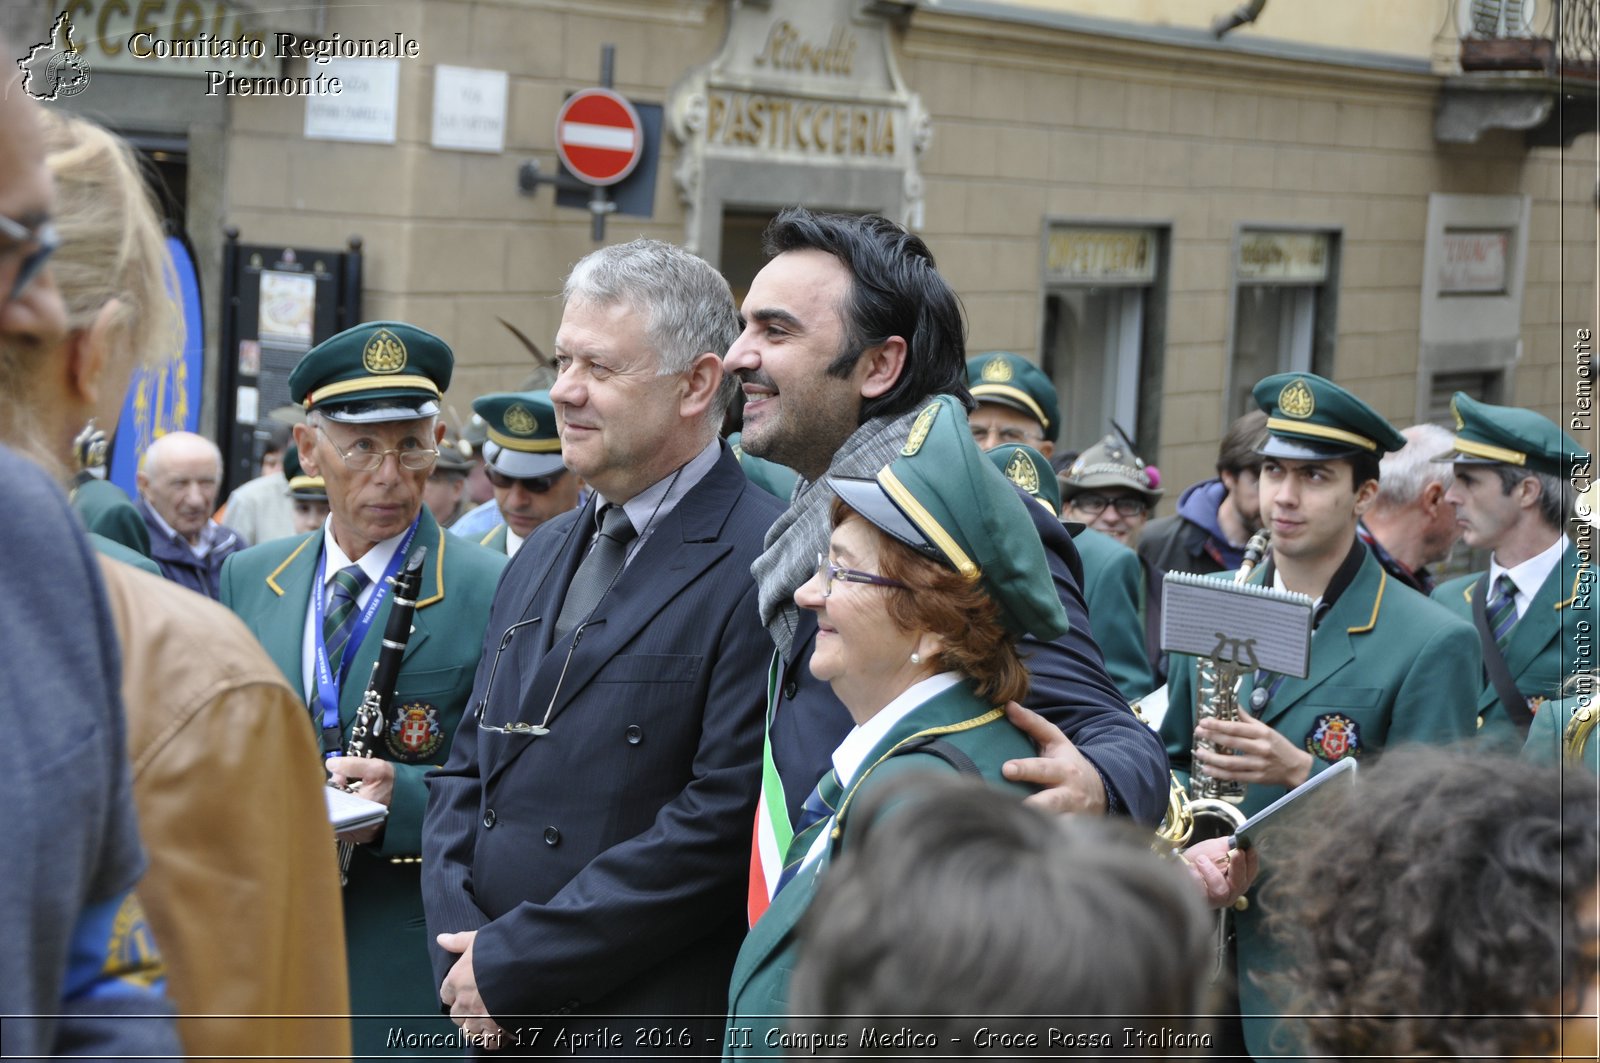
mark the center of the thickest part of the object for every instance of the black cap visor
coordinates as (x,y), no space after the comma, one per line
(869,500)
(1277,446)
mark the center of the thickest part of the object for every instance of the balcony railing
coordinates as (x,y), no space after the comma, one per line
(1555,38)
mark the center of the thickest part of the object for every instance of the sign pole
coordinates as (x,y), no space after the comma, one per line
(599,203)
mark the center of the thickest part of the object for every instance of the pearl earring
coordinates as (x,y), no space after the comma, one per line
(916,658)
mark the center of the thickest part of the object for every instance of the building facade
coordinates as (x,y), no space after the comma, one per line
(1156,214)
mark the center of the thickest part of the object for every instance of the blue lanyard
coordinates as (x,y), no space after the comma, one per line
(328,683)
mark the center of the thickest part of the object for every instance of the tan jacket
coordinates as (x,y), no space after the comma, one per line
(243,887)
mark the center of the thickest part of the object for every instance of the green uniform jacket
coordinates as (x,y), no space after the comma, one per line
(496,539)
(117,552)
(1548,644)
(107,510)
(758,997)
(1549,727)
(269,587)
(1113,580)
(1387,667)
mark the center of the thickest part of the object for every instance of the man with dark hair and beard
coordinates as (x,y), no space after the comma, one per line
(849,331)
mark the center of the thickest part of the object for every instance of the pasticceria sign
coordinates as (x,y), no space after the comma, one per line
(808,82)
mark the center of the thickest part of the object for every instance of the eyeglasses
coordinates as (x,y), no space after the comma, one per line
(521,727)
(830,572)
(414,458)
(537,485)
(1126,505)
(44,239)
(982,434)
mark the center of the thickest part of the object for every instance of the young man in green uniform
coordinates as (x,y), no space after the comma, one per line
(1534,608)
(319,604)
(1387,665)
(1018,406)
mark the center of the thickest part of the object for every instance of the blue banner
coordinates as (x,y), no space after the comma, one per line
(164,397)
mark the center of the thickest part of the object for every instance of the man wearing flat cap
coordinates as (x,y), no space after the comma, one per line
(1387,665)
(1534,609)
(319,604)
(522,458)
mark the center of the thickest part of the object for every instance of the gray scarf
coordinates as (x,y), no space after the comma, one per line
(796,538)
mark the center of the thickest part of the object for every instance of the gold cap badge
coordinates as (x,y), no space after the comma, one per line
(1296,399)
(384,353)
(919,430)
(996,371)
(1021,471)
(520,420)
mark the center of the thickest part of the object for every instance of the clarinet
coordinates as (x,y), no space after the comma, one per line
(378,698)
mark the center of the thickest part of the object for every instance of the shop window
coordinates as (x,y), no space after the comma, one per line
(1283,320)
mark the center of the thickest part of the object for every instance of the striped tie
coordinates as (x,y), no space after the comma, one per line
(1502,608)
(820,804)
(341,617)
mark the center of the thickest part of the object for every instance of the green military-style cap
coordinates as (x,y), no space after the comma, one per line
(376,371)
(1011,380)
(1031,471)
(455,457)
(1505,435)
(775,479)
(523,440)
(1310,418)
(942,498)
(302,486)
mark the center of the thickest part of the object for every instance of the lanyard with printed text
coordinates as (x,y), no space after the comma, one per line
(328,683)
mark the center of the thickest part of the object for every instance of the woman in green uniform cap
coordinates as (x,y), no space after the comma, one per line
(934,573)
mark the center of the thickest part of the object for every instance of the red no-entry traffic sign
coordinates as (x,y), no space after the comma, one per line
(599,136)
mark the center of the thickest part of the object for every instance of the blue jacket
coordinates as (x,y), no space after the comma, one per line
(178,563)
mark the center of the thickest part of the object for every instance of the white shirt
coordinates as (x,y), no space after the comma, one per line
(374,562)
(513,542)
(852,752)
(1530,575)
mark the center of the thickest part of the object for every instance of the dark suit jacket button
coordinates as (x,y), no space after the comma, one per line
(552,836)
(790,689)
(635,734)
(488,818)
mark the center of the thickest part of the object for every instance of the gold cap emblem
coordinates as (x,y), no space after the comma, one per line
(996,371)
(1023,473)
(384,353)
(1460,422)
(919,430)
(1296,399)
(520,420)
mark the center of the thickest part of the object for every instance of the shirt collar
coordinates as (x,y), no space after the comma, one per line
(374,562)
(1531,574)
(513,542)
(847,759)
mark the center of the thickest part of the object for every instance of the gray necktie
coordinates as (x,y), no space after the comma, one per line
(598,571)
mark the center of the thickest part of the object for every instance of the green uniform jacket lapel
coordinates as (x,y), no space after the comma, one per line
(283,600)
(1332,646)
(496,539)
(1540,627)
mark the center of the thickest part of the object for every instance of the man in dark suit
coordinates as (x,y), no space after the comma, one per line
(582,852)
(849,332)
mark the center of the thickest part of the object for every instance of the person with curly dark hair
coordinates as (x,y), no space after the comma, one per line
(1444,906)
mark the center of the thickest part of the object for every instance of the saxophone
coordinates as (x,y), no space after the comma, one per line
(1210,809)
